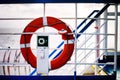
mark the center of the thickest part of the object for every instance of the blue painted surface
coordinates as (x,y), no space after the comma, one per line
(56,49)
(58,1)
(110,68)
(58,54)
(111,77)
(75,77)
(33,72)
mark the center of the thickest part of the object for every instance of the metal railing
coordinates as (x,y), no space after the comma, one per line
(17,63)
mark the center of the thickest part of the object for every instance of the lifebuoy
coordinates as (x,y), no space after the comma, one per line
(62,28)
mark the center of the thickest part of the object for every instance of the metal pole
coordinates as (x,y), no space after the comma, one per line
(97,41)
(85,52)
(105,31)
(44,16)
(75,41)
(116,40)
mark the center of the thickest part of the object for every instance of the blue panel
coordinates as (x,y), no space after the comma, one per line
(58,1)
(109,69)
(112,77)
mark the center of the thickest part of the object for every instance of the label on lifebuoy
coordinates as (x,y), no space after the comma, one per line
(42,60)
(42,41)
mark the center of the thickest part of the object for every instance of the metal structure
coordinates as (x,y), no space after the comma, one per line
(76,64)
(59,1)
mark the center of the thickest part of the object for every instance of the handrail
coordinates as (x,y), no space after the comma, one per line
(83,51)
(91,50)
(92,20)
(90,38)
(94,61)
(92,35)
(73,31)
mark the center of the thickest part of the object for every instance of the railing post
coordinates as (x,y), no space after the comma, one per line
(116,40)
(75,41)
(97,42)
(105,31)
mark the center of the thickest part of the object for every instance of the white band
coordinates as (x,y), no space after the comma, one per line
(69,41)
(49,64)
(45,21)
(25,45)
(62,31)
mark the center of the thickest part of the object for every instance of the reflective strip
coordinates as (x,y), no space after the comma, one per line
(45,21)
(49,64)
(55,54)
(25,45)
(69,41)
(63,31)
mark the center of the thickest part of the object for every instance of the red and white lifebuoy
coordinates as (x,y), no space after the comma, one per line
(62,28)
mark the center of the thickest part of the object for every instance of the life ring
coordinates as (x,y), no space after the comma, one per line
(62,28)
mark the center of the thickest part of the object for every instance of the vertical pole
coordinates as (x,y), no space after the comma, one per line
(97,41)
(44,15)
(85,53)
(75,41)
(116,40)
(105,31)
(44,10)
(97,37)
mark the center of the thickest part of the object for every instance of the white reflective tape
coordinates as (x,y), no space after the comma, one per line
(45,21)
(69,41)
(62,31)
(25,45)
(49,64)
